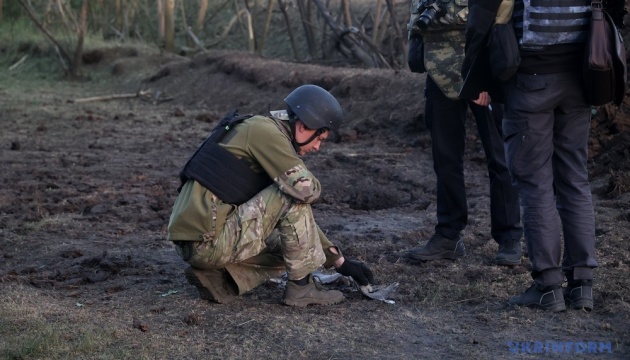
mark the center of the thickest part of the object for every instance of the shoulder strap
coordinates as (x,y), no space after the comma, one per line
(229,121)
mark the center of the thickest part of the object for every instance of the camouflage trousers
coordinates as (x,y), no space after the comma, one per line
(263,238)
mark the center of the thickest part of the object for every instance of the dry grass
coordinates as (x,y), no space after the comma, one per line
(33,325)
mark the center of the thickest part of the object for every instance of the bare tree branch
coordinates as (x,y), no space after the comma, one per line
(60,50)
(140,93)
(194,39)
(346,37)
(398,33)
(15,66)
(308,30)
(283,8)
(81,29)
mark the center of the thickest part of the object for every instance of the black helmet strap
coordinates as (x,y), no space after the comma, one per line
(313,137)
(296,144)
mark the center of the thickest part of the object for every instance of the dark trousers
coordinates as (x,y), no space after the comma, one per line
(445,118)
(546,128)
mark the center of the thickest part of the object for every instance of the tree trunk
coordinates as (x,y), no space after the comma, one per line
(377,21)
(283,8)
(128,15)
(398,35)
(252,32)
(118,22)
(169,19)
(182,9)
(345,4)
(75,68)
(161,23)
(308,29)
(201,16)
(265,32)
(0,11)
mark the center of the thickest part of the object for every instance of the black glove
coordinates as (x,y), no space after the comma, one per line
(358,271)
(415,55)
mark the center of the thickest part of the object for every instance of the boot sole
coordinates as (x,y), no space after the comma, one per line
(206,290)
(506,262)
(581,304)
(302,303)
(554,307)
(557,306)
(448,255)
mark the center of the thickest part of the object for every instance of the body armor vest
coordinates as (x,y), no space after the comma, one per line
(538,23)
(231,179)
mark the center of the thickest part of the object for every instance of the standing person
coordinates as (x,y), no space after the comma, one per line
(546,128)
(243,214)
(436,45)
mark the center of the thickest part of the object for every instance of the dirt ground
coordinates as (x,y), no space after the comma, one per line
(87,190)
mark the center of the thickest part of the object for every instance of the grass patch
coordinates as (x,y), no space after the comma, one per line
(58,221)
(33,325)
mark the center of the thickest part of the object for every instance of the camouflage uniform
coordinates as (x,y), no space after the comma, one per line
(271,233)
(443,44)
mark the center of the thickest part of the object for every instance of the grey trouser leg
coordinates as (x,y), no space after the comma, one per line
(546,127)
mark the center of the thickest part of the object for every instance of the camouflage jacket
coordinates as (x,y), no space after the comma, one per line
(444,42)
(265,143)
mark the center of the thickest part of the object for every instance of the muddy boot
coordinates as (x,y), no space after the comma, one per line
(510,253)
(212,285)
(439,247)
(311,293)
(549,298)
(579,294)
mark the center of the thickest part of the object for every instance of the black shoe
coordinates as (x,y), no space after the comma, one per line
(510,253)
(579,295)
(549,298)
(439,247)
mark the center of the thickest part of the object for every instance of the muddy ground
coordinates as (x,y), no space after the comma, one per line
(87,189)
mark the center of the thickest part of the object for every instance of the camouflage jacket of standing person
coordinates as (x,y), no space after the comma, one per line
(444,42)
(198,214)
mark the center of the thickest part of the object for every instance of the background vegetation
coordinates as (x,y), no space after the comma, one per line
(333,32)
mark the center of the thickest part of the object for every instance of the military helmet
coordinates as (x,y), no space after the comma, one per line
(315,107)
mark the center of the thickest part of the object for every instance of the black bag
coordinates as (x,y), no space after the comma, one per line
(503,51)
(604,70)
(415,55)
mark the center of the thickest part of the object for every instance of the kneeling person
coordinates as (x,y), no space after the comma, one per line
(243,214)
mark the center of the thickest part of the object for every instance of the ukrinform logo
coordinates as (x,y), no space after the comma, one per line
(559,347)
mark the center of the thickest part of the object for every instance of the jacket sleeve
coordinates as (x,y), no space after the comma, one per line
(481,16)
(272,149)
(331,257)
(299,183)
